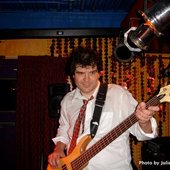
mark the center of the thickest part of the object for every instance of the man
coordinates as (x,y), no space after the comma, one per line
(85,67)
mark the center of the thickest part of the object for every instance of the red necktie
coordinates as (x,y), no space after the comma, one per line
(80,119)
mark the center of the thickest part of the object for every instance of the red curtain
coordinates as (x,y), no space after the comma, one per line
(34,127)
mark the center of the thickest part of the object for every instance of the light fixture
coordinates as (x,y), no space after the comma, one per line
(156,22)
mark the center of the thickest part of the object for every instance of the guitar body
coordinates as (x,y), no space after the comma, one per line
(65,163)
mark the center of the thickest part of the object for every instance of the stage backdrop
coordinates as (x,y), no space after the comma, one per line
(142,76)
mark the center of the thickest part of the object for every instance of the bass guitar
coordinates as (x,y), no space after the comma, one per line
(80,156)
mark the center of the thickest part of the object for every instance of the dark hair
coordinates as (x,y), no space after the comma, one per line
(84,57)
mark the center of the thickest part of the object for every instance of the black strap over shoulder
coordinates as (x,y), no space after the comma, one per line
(100,100)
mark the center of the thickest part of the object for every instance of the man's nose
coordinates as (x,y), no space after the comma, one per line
(86,76)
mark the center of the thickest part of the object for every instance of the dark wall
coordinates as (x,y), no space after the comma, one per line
(8,72)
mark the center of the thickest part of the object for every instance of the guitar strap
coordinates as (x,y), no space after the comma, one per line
(100,100)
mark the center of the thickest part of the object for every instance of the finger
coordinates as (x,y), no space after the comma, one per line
(154,108)
(53,160)
(142,105)
(54,163)
(144,116)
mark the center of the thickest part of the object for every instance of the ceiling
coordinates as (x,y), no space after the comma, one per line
(57,15)
(21,14)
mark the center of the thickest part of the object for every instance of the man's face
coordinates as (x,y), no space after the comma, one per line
(86,79)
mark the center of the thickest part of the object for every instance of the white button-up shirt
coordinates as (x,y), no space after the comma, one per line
(118,106)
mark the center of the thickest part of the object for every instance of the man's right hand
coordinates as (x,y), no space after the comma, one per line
(54,157)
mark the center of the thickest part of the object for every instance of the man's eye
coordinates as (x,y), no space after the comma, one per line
(94,72)
(80,73)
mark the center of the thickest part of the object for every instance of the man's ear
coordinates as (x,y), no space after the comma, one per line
(101,73)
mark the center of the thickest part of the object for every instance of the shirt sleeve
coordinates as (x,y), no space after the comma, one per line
(62,135)
(141,135)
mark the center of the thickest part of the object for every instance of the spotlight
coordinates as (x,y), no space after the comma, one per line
(157,22)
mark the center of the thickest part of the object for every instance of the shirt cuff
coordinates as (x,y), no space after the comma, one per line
(61,139)
(154,129)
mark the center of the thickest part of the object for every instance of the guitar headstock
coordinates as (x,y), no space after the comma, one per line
(165,93)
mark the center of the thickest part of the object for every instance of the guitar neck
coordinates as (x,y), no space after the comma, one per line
(109,137)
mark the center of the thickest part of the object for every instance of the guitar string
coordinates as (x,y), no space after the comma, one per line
(79,162)
(64,167)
